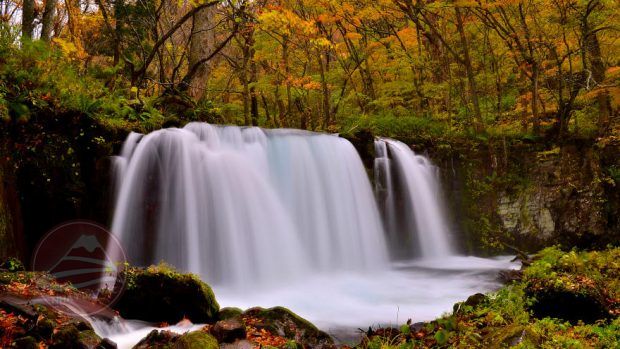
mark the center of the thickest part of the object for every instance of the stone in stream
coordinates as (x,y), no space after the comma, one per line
(161,294)
(227,331)
(229,312)
(283,322)
(106,344)
(170,340)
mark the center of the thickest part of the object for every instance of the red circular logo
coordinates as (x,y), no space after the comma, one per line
(84,254)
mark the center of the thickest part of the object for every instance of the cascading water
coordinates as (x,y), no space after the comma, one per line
(245,205)
(293,210)
(410,196)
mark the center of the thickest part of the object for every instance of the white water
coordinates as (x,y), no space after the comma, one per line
(241,206)
(288,218)
(340,303)
(413,210)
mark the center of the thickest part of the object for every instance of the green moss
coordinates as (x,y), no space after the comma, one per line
(160,293)
(504,318)
(196,340)
(229,313)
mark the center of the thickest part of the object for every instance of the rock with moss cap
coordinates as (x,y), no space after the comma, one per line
(229,313)
(285,323)
(162,294)
(169,340)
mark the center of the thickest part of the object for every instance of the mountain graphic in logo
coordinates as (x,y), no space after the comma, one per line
(86,265)
(85,255)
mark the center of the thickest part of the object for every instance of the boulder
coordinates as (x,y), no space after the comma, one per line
(106,344)
(161,294)
(196,340)
(69,337)
(228,331)
(27,342)
(169,340)
(285,323)
(157,340)
(229,313)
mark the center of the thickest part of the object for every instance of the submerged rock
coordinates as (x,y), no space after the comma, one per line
(161,294)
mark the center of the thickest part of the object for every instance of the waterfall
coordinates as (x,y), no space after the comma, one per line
(239,206)
(409,195)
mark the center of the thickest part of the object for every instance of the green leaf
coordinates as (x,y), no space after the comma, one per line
(442,337)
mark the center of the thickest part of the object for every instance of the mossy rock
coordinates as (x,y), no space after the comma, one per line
(157,340)
(169,340)
(27,342)
(161,294)
(289,325)
(229,313)
(69,337)
(196,340)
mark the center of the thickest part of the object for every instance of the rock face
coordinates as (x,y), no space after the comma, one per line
(531,196)
(564,198)
(161,294)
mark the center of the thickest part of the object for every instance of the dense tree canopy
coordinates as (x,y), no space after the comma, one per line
(528,67)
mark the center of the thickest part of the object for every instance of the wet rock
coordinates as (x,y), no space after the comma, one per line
(285,323)
(170,340)
(161,294)
(26,343)
(157,340)
(472,301)
(196,340)
(45,328)
(89,338)
(69,337)
(508,276)
(106,344)
(229,313)
(228,331)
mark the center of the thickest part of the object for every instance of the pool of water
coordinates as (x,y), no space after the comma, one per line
(342,303)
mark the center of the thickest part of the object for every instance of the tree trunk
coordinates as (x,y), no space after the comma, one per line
(469,70)
(74,12)
(27,19)
(535,114)
(253,97)
(325,92)
(201,45)
(48,20)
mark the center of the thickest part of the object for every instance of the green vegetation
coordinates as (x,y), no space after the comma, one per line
(441,69)
(510,317)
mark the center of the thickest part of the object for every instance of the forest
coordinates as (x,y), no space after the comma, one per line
(387,174)
(505,68)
